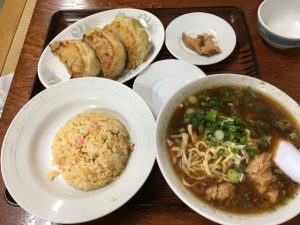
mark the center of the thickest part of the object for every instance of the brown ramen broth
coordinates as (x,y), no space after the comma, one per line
(221,142)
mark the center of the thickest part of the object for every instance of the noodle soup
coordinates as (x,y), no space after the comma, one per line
(221,142)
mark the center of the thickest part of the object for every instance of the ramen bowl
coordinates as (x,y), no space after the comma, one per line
(279,22)
(276,215)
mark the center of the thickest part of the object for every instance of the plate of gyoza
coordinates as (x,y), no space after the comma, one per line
(116,44)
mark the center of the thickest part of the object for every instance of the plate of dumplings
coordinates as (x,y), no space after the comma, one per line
(115,44)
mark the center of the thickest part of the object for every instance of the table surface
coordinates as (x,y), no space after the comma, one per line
(278,67)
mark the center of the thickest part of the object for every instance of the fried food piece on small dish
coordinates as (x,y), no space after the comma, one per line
(134,38)
(203,44)
(78,57)
(109,50)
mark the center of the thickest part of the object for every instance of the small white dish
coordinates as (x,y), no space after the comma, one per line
(200,23)
(51,71)
(26,150)
(278,23)
(162,79)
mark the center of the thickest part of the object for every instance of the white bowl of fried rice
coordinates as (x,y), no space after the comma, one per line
(115,113)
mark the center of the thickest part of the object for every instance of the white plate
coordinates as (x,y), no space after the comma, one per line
(51,71)
(199,23)
(162,79)
(26,150)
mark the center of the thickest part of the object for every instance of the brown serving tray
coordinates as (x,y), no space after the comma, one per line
(155,191)
(241,61)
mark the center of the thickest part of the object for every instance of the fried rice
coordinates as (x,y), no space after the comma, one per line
(91,150)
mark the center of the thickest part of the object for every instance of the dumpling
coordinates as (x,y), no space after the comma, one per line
(134,38)
(108,49)
(78,57)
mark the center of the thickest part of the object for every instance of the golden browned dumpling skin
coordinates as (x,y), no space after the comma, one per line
(78,57)
(109,50)
(134,37)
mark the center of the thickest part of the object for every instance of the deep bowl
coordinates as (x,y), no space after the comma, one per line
(278,215)
(279,22)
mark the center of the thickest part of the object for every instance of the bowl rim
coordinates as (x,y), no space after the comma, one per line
(182,195)
(261,21)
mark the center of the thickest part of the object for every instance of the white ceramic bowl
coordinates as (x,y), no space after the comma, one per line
(279,22)
(279,215)
(26,150)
